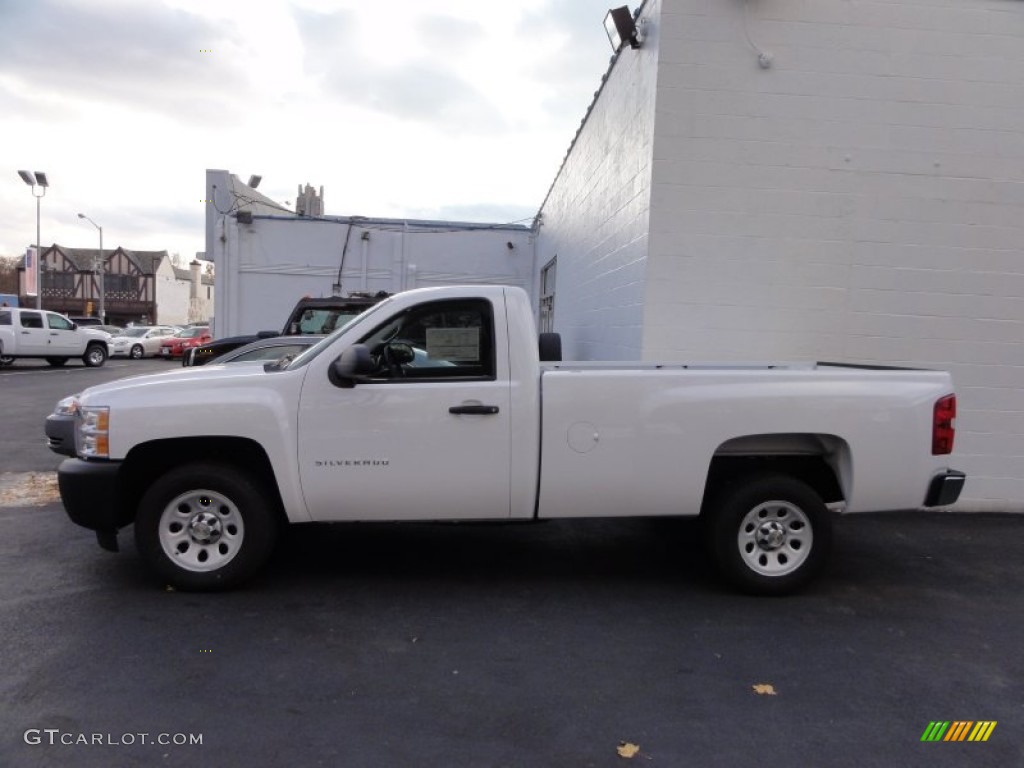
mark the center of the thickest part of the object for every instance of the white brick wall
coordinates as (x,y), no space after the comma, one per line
(595,218)
(863,199)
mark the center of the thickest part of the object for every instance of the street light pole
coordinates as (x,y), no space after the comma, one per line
(102,270)
(37,179)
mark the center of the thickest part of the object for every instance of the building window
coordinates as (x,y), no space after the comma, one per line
(117,283)
(547,296)
(59,282)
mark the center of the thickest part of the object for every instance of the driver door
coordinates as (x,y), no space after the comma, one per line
(427,436)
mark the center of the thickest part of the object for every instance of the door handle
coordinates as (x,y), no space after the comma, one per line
(474,410)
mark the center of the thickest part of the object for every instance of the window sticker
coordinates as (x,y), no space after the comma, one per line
(454,344)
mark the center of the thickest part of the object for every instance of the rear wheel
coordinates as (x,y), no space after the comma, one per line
(769,534)
(6,360)
(205,527)
(56,362)
(136,352)
(95,355)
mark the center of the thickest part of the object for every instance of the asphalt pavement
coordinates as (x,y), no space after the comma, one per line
(549,644)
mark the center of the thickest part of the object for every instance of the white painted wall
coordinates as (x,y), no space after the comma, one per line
(172,295)
(862,200)
(265,266)
(595,217)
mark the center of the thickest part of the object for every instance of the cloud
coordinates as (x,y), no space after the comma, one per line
(140,55)
(445,34)
(570,27)
(419,89)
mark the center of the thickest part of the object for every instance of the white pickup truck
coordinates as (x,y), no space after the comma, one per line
(38,333)
(434,405)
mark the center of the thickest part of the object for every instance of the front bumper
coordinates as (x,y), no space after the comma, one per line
(90,492)
(60,434)
(945,488)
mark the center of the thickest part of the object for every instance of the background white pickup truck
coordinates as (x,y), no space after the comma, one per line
(433,405)
(38,333)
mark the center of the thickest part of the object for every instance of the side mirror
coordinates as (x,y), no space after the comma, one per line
(74,325)
(354,365)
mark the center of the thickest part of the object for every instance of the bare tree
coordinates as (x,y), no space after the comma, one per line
(9,274)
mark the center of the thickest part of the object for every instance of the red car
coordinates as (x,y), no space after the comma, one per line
(181,342)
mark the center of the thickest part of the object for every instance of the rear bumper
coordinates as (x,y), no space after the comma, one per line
(945,488)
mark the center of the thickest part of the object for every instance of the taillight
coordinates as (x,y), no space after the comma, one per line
(943,425)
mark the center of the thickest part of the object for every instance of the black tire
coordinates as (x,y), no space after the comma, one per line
(95,356)
(56,362)
(6,360)
(206,527)
(137,352)
(768,534)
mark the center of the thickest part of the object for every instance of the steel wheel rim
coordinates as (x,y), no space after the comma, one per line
(775,538)
(201,530)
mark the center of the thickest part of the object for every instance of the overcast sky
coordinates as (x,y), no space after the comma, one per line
(452,109)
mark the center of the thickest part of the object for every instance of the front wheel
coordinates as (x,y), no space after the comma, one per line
(95,356)
(136,352)
(769,534)
(205,527)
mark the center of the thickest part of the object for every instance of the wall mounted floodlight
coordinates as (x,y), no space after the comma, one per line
(254,181)
(619,25)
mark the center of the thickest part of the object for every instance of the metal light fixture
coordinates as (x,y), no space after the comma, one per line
(102,269)
(619,25)
(38,179)
(254,181)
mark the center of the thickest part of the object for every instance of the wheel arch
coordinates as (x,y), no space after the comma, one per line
(148,461)
(822,461)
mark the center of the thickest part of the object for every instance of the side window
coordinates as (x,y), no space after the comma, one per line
(58,323)
(5,318)
(31,320)
(438,340)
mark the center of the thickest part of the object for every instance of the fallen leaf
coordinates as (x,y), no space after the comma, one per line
(625,749)
(764,689)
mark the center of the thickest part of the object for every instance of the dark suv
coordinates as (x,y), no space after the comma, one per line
(310,317)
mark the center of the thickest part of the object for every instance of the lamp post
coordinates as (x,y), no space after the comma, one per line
(102,270)
(37,179)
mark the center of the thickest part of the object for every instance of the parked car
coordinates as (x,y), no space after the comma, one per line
(53,337)
(308,317)
(264,350)
(140,340)
(113,330)
(184,340)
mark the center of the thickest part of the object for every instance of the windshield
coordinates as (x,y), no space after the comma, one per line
(134,333)
(191,333)
(320,346)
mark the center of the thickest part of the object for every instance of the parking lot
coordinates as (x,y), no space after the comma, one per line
(499,645)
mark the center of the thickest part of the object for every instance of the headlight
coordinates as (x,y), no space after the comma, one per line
(92,432)
(67,407)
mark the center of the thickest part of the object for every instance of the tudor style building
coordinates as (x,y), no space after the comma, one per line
(139,286)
